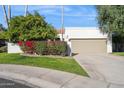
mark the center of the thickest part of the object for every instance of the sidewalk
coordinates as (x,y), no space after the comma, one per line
(47,78)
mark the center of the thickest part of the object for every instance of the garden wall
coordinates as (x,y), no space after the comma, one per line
(13,48)
(39,47)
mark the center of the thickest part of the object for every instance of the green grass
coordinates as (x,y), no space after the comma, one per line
(118,53)
(63,64)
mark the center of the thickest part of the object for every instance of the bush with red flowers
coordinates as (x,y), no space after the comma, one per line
(20,43)
(27,46)
(44,47)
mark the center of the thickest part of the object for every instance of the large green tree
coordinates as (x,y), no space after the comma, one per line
(2,28)
(30,27)
(111,18)
(3,32)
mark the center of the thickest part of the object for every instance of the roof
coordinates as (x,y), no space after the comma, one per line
(61,31)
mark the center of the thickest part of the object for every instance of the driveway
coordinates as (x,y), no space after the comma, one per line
(104,67)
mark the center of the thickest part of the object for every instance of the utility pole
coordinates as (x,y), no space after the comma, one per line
(62,21)
(9,17)
(9,14)
(26,10)
(5,15)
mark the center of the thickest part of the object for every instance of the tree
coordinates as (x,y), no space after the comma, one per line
(2,28)
(111,19)
(30,27)
(3,32)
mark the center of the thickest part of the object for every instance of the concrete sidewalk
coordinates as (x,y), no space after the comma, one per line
(47,78)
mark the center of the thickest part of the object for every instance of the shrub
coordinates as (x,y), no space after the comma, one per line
(27,46)
(20,43)
(44,47)
(3,49)
(57,48)
(61,48)
(30,27)
(4,35)
(40,47)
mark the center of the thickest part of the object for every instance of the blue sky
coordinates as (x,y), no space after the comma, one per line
(74,15)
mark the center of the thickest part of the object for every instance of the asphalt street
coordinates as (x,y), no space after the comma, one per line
(4,83)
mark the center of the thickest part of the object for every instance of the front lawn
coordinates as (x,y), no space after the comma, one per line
(118,53)
(63,64)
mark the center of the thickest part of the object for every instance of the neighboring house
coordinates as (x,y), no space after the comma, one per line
(87,40)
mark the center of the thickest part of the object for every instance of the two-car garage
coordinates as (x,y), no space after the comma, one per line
(88,46)
(87,40)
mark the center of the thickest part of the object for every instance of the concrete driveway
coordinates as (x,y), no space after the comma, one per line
(104,67)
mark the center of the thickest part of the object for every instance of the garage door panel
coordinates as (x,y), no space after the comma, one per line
(88,46)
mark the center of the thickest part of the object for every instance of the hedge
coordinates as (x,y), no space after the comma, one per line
(44,47)
(3,49)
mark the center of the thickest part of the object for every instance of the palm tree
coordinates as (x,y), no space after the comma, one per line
(5,15)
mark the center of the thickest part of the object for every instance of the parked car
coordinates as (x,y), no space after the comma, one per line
(3,46)
(2,43)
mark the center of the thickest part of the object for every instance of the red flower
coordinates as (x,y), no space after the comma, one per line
(20,43)
(29,44)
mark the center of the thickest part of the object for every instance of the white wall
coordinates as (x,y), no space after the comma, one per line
(13,48)
(84,33)
(60,36)
(109,44)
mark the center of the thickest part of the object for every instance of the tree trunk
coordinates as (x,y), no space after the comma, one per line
(5,15)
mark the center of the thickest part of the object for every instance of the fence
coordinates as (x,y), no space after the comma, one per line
(118,47)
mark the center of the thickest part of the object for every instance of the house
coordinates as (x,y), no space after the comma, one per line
(87,40)
(84,40)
